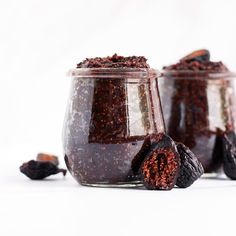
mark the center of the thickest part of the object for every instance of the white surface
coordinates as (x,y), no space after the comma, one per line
(39,42)
(60,206)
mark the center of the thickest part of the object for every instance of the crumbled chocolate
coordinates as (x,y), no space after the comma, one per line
(114,61)
(197,61)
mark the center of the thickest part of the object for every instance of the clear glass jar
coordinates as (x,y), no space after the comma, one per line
(111,114)
(197,107)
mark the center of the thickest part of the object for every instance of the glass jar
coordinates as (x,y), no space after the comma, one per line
(111,114)
(197,107)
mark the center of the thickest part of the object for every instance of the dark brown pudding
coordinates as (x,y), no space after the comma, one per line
(113,108)
(198,101)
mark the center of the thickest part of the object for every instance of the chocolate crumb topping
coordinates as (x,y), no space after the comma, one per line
(197,61)
(114,61)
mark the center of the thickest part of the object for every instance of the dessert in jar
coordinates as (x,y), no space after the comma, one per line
(198,104)
(112,114)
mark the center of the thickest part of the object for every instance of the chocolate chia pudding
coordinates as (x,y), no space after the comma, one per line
(113,109)
(198,104)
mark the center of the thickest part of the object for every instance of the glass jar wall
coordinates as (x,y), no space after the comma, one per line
(197,108)
(111,115)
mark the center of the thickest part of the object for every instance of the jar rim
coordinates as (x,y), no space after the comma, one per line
(114,72)
(227,75)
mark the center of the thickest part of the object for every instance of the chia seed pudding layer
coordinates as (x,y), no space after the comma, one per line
(110,113)
(200,104)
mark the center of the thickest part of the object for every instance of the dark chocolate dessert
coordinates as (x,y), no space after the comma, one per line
(197,61)
(109,117)
(114,61)
(199,102)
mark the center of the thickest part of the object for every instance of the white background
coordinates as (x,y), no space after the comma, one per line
(41,40)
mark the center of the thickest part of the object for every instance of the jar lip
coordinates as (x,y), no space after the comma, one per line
(114,72)
(202,74)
